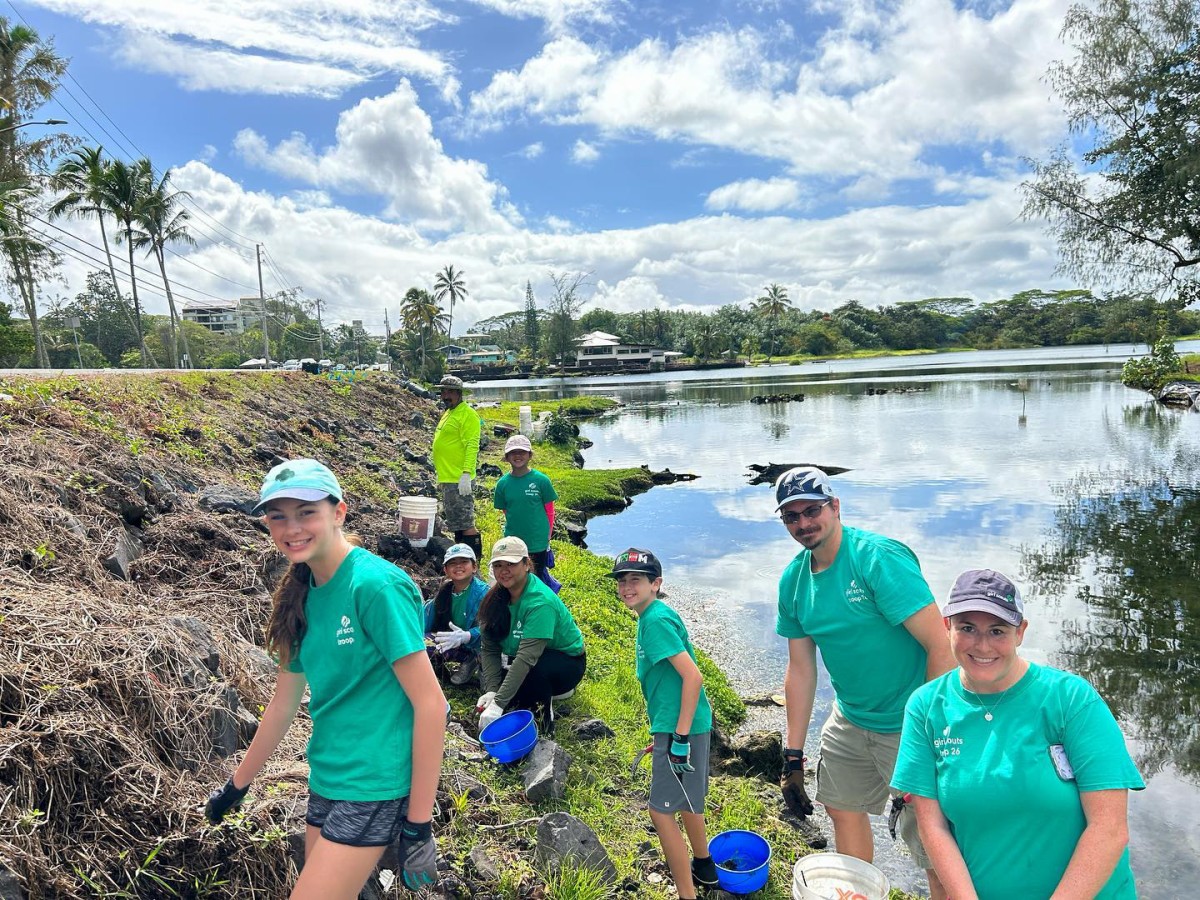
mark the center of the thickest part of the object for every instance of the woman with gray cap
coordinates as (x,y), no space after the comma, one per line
(1018,772)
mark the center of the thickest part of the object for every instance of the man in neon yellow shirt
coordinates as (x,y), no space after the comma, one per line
(455,451)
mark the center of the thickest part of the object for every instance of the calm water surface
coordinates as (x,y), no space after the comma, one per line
(1083,490)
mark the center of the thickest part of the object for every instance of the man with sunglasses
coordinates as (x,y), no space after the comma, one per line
(861,599)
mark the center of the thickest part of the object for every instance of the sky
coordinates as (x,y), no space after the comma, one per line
(684,155)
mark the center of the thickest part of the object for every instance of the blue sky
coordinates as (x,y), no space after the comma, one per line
(685,154)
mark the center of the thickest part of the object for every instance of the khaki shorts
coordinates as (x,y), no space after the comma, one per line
(854,774)
(458,512)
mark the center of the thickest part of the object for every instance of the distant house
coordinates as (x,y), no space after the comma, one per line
(600,350)
(220,316)
(486,355)
(453,351)
(225,316)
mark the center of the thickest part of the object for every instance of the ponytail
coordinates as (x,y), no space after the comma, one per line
(288,622)
(495,614)
(441,606)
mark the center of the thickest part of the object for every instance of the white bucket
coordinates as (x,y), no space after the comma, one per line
(525,417)
(416,519)
(835,876)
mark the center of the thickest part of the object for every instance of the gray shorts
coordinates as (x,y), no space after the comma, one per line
(854,774)
(458,512)
(685,792)
(357,823)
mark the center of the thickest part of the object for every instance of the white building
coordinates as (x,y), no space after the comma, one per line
(220,316)
(599,350)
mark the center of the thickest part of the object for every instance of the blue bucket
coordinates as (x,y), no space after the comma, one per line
(510,737)
(741,858)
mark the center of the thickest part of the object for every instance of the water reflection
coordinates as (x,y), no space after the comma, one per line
(1126,549)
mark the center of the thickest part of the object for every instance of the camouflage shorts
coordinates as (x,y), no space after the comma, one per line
(458,512)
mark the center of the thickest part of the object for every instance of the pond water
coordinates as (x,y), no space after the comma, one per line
(1038,463)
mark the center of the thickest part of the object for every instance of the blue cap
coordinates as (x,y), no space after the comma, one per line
(298,479)
(802,483)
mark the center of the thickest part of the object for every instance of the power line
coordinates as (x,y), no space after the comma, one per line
(190,262)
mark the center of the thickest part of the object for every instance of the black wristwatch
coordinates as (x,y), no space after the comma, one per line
(793,759)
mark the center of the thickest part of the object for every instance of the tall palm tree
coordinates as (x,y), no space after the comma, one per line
(773,304)
(81,178)
(419,312)
(29,73)
(449,284)
(124,193)
(164,221)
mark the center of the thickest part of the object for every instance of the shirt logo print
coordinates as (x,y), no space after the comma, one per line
(345,634)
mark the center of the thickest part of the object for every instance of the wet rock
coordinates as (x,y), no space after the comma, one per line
(593,730)
(562,838)
(1182,394)
(768,473)
(576,533)
(767,699)
(777,398)
(127,551)
(487,470)
(666,476)
(545,772)
(224,498)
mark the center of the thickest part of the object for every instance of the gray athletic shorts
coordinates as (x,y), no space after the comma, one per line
(458,512)
(685,792)
(854,774)
(357,823)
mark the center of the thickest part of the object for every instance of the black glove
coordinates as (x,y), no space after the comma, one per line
(223,799)
(418,855)
(795,797)
(898,804)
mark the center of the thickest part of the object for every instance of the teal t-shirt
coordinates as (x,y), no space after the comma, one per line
(367,616)
(523,499)
(853,612)
(661,634)
(1015,818)
(540,615)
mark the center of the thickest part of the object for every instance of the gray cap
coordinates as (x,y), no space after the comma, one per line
(453,382)
(985,590)
(517,442)
(802,483)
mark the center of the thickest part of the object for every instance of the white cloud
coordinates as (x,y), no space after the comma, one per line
(556,13)
(533,151)
(755,195)
(893,80)
(584,153)
(208,153)
(199,69)
(360,38)
(385,145)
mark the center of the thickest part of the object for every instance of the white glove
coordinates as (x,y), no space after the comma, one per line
(464,485)
(483,702)
(490,715)
(448,640)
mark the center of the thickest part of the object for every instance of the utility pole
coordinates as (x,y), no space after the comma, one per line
(356,325)
(387,326)
(320,330)
(262,298)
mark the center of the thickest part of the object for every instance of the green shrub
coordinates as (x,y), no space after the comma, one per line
(559,429)
(1149,373)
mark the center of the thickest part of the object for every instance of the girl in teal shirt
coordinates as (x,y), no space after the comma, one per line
(1019,772)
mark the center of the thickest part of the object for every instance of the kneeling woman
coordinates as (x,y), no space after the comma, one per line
(524,619)
(1019,772)
(347,625)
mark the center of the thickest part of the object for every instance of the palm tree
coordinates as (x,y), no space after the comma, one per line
(163,221)
(773,304)
(29,74)
(419,312)
(81,178)
(449,284)
(125,189)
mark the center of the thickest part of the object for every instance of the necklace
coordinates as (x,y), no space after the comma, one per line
(987,711)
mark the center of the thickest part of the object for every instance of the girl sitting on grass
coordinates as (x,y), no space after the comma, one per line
(450,615)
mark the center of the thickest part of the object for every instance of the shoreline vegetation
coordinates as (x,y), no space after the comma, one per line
(134,586)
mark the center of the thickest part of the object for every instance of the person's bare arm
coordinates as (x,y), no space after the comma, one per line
(1100,846)
(943,850)
(276,719)
(799,689)
(416,676)
(689,697)
(929,628)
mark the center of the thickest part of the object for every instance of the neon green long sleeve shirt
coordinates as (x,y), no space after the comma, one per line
(456,443)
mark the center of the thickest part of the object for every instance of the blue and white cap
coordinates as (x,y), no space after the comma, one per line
(802,483)
(459,551)
(298,479)
(985,590)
